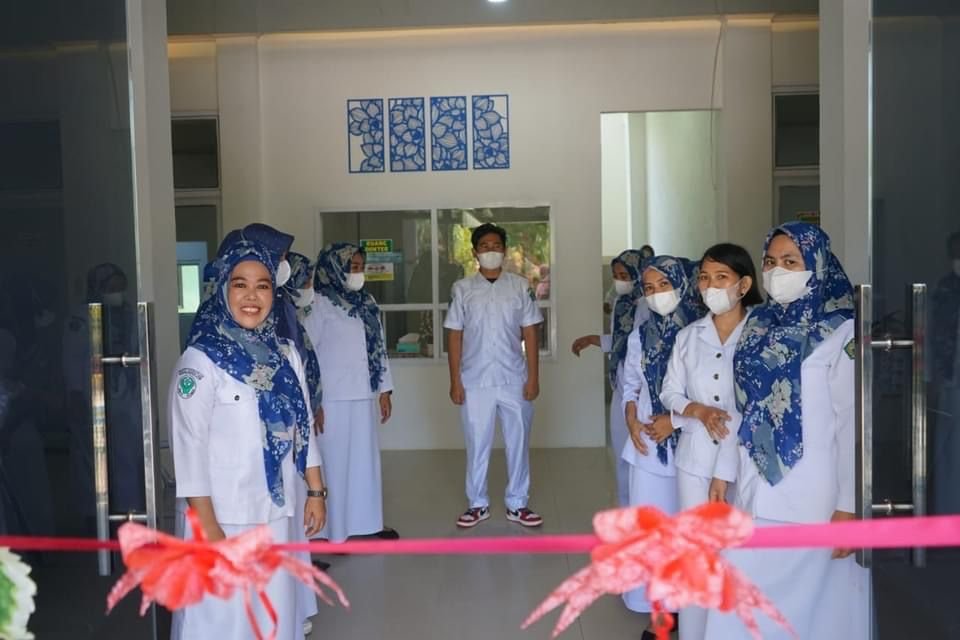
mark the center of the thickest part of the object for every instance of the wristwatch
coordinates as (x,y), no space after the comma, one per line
(322,493)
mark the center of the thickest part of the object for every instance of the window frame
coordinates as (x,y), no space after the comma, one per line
(801,175)
(435,306)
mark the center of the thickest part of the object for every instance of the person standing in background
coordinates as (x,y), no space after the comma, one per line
(674,303)
(630,309)
(344,326)
(698,388)
(493,347)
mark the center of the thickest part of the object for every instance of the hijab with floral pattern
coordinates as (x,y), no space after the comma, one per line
(624,312)
(329,280)
(774,343)
(257,357)
(659,333)
(301,271)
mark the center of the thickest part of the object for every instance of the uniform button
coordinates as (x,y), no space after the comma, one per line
(716,398)
(236,398)
(719,355)
(716,376)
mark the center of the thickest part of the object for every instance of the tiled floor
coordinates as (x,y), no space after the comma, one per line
(474,597)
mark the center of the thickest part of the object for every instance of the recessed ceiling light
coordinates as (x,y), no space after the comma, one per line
(496,1)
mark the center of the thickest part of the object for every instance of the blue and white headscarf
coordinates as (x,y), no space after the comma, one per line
(624,312)
(289,315)
(774,343)
(256,357)
(333,265)
(660,332)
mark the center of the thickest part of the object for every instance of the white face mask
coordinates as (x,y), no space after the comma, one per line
(719,301)
(283,273)
(956,268)
(354,281)
(664,303)
(114,299)
(304,298)
(786,286)
(490,260)
(623,287)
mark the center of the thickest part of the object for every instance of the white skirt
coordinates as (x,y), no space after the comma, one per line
(649,490)
(350,447)
(823,599)
(214,618)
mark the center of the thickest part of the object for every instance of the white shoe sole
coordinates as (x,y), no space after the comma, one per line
(524,524)
(470,525)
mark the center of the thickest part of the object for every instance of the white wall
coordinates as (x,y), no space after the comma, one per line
(682,204)
(283,148)
(615,181)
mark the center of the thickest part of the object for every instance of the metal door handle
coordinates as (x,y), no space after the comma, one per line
(864,411)
(100,428)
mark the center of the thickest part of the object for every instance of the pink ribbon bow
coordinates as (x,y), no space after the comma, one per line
(178,573)
(676,559)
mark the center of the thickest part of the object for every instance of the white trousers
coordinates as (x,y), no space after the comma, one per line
(479,416)
(214,618)
(618,438)
(350,447)
(692,490)
(649,490)
(823,599)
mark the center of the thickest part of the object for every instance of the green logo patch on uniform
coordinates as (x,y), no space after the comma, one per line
(851,349)
(187,380)
(532,294)
(186,386)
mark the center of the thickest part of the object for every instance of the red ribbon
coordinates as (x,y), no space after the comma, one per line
(178,573)
(676,559)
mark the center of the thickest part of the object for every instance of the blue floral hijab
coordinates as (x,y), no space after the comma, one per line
(301,270)
(660,332)
(624,312)
(774,343)
(256,357)
(333,265)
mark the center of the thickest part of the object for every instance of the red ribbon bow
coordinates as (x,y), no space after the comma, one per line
(677,560)
(178,573)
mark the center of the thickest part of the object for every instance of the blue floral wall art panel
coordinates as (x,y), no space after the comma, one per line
(408,150)
(365,135)
(448,133)
(491,131)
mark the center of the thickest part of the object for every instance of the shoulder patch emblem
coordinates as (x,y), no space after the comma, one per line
(187,380)
(532,294)
(851,349)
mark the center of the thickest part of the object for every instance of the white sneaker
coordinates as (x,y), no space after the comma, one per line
(307,627)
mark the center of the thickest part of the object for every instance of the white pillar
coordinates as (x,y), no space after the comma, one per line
(845,203)
(149,83)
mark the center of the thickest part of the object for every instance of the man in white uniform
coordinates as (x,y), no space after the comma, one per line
(493,347)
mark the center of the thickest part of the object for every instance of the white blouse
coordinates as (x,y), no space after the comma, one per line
(822,481)
(701,370)
(340,342)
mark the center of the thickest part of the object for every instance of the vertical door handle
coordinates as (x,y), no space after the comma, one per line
(866,507)
(98,412)
(101,429)
(918,307)
(864,410)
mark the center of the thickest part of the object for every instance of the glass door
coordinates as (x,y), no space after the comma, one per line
(76,453)
(910,313)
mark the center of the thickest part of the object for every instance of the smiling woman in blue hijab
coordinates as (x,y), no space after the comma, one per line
(794,379)
(241,435)
(344,325)
(629,309)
